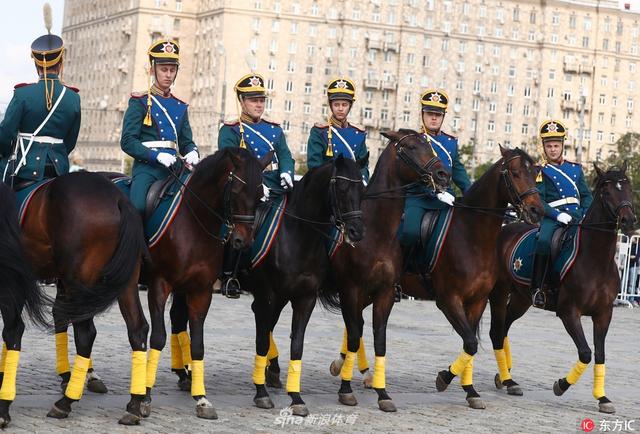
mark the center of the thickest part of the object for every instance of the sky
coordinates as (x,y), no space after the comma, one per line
(22,22)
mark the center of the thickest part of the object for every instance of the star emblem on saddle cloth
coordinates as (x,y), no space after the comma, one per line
(255,81)
(436,97)
(552,127)
(168,47)
(341,84)
(517,264)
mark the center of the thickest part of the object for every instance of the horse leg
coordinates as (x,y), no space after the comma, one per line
(273,368)
(352,316)
(157,294)
(137,330)
(261,313)
(12,336)
(600,327)
(198,304)
(474,313)
(363,363)
(84,333)
(302,309)
(62,340)
(180,342)
(498,299)
(571,321)
(382,304)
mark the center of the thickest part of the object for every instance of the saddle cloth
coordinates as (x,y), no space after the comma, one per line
(434,229)
(24,196)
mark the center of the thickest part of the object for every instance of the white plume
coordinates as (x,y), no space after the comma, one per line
(46,9)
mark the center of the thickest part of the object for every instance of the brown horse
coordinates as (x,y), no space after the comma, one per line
(589,287)
(18,290)
(81,230)
(461,292)
(224,191)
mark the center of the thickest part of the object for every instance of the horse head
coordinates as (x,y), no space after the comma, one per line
(614,190)
(518,172)
(346,191)
(420,161)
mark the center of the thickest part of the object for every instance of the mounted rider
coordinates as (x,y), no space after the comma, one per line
(565,195)
(155,128)
(260,136)
(337,136)
(41,125)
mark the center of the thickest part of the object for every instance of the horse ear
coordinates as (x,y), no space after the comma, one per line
(599,171)
(391,135)
(363,162)
(624,166)
(235,157)
(266,160)
(503,150)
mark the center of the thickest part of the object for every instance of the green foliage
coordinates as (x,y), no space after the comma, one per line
(628,150)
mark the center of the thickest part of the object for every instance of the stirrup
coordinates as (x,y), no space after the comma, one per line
(541,301)
(397,293)
(231,288)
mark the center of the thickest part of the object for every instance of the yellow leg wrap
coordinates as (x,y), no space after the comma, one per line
(576,372)
(501,360)
(185,347)
(346,373)
(378,373)
(153,358)
(273,348)
(90,363)
(78,375)
(460,363)
(258,369)
(598,380)
(176,353)
(4,356)
(197,378)
(363,363)
(506,346)
(138,373)
(343,348)
(62,353)
(8,390)
(466,379)
(293,376)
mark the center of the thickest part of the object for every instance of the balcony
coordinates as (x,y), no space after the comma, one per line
(386,124)
(369,122)
(389,84)
(374,43)
(569,105)
(371,83)
(392,46)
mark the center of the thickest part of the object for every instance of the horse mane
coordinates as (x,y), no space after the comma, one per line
(480,181)
(209,165)
(613,173)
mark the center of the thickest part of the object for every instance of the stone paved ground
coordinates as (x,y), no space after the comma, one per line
(420,343)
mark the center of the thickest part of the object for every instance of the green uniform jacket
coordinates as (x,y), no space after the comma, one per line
(25,113)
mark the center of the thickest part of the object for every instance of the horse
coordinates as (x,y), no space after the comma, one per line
(219,204)
(588,288)
(79,229)
(462,276)
(18,290)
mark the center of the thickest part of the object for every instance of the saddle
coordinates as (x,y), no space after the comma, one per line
(557,241)
(161,189)
(427,225)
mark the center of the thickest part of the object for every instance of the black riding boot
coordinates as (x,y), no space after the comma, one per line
(230,285)
(538,295)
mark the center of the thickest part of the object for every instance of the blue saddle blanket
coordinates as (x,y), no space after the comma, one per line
(521,258)
(24,196)
(424,258)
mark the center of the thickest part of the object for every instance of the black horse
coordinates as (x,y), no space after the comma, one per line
(18,290)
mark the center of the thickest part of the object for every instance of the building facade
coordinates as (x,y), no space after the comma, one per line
(506,66)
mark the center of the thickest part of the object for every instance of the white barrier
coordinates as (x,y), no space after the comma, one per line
(628,262)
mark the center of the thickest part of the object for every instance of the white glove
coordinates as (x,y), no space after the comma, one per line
(166,159)
(192,158)
(265,191)
(286,181)
(446,197)
(564,218)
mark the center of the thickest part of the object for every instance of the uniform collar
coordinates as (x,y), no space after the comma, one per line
(248,119)
(156,91)
(557,164)
(337,123)
(50,75)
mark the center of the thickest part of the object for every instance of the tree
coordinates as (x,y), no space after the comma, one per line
(628,147)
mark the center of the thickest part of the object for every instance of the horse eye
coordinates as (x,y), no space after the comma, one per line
(618,186)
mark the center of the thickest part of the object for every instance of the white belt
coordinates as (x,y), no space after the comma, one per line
(566,201)
(40,139)
(160,144)
(271,167)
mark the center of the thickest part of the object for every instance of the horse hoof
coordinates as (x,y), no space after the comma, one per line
(441,385)
(299,410)
(497,382)
(347,399)
(514,391)
(367,380)
(476,403)
(96,385)
(184,385)
(273,379)
(556,389)
(57,413)
(264,402)
(129,419)
(606,407)
(336,366)
(206,412)
(387,405)
(63,387)
(145,408)
(4,422)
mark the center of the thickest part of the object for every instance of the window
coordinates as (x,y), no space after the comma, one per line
(605,44)
(462,46)
(585,42)
(406,116)
(552,74)
(494,87)
(275,26)
(516,13)
(307,88)
(492,107)
(599,136)
(525,129)
(527,91)
(367,113)
(384,114)
(293,47)
(407,97)
(511,89)
(525,110)
(629,104)
(315,10)
(307,108)
(491,127)
(255,24)
(476,86)
(411,58)
(288,106)
(532,17)
(614,101)
(268,105)
(600,118)
(459,85)
(475,105)
(176,23)
(509,109)
(286,125)
(602,99)
(572,21)
(289,86)
(613,120)
(566,95)
(555,19)
(550,92)
(612,138)
(178,5)
(512,71)
(272,64)
(309,69)
(507,127)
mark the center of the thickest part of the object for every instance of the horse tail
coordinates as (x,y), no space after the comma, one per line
(83,302)
(330,297)
(19,287)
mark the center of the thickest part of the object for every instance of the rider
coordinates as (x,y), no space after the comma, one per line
(156,124)
(434,107)
(260,136)
(42,118)
(566,198)
(337,136)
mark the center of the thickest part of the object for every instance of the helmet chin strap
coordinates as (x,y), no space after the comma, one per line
(155,76)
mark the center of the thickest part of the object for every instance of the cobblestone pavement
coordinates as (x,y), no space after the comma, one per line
(420,343)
